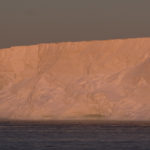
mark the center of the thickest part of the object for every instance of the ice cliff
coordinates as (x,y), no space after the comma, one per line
(76,80)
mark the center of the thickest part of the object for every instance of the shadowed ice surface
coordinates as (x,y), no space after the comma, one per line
(75,136)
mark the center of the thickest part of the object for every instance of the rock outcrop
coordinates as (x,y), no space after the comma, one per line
(76,80)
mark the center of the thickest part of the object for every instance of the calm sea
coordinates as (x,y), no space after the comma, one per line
(74,135)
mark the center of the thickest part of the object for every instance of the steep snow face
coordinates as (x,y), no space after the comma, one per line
(76,80)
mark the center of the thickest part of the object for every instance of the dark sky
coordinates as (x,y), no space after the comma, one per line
(24,22)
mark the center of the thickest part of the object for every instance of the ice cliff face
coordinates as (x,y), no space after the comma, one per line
(76,80)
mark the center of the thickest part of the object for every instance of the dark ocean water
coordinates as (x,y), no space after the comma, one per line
(75,136)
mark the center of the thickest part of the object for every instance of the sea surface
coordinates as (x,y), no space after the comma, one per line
(77,135)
